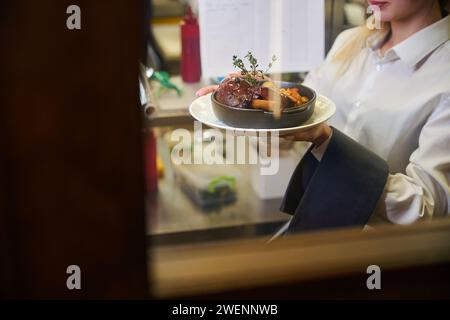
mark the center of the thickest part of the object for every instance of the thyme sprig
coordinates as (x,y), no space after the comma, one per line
(254,75)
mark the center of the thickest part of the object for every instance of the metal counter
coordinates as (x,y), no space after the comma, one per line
(173,215)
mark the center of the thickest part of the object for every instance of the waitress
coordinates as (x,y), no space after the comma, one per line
(385,155)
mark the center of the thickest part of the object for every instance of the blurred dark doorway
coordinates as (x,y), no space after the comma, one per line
(71,176)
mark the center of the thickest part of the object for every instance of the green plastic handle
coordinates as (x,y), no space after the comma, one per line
(164,79)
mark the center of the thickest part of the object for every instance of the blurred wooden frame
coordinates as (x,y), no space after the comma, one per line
(414,261)
(71,164)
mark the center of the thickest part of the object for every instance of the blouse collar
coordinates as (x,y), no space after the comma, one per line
(418,46)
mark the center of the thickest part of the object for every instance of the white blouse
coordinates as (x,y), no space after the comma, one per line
(398,106)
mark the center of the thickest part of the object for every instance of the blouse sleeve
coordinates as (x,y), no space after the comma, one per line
(423,191)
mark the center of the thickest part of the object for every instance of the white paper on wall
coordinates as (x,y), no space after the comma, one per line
(293,30)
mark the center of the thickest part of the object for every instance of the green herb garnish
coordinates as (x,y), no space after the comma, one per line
(254,75)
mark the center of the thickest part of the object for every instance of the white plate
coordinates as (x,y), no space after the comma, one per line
(201,110)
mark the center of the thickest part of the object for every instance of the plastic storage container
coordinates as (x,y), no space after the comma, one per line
(205,185)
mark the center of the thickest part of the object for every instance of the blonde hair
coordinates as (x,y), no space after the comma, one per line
(349,50)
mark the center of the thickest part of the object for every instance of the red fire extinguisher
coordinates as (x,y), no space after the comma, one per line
(190,48)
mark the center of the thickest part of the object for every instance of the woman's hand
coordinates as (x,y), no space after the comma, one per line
(317,135)
(205,90)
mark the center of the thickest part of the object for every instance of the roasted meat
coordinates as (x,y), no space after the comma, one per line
(236,92)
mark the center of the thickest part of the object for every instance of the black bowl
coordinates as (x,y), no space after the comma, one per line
(261,119)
